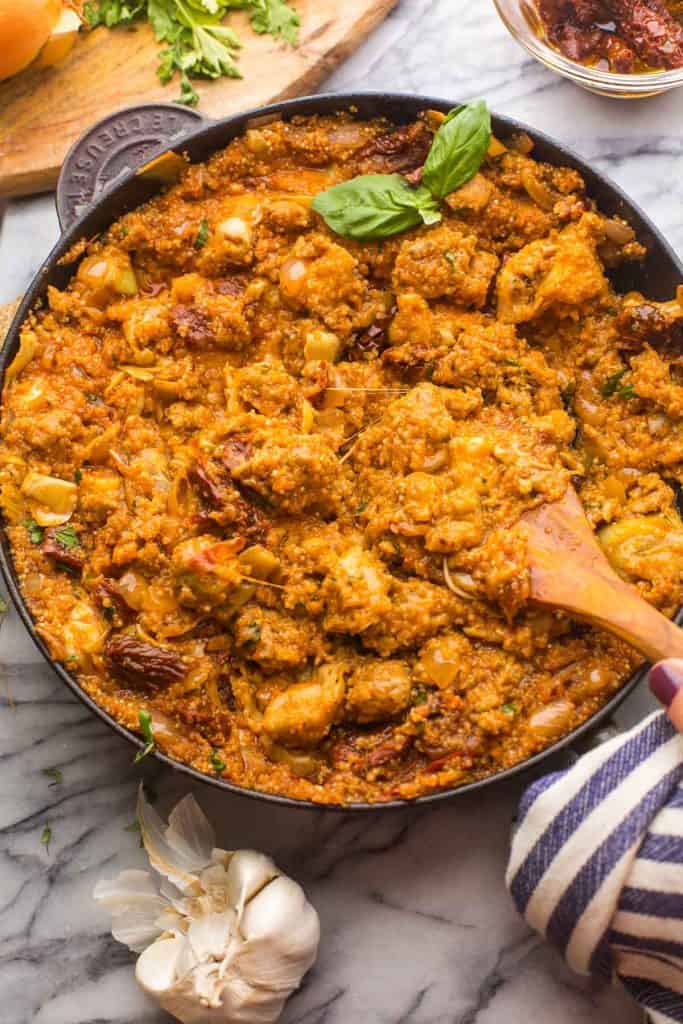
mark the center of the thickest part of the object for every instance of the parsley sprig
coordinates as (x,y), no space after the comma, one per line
(200,45)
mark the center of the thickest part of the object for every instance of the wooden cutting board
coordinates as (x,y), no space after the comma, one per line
(43,111)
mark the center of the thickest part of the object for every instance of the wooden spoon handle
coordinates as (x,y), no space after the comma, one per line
(601,597)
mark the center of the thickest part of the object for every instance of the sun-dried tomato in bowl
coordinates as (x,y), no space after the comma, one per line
(623,36)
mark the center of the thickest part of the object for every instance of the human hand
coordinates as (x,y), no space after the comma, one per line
(666,683)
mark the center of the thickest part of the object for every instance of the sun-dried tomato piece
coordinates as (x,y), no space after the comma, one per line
(140,664)
(62,555)
(236,451)
(399,151)
(192,325)
(650,30)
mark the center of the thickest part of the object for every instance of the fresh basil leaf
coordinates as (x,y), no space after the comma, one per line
(458,149)
(375,206)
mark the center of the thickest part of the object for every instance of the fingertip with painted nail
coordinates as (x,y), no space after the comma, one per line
(666,679)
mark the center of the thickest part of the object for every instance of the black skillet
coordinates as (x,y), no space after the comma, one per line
(98,184)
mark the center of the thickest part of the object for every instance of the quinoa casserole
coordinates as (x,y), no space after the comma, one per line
(263,483)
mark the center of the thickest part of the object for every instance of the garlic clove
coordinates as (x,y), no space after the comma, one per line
(211,935)
(135,907)
(248,872)
(281,931)
(155,970)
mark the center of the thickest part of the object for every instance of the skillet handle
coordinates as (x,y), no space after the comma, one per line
(121,142)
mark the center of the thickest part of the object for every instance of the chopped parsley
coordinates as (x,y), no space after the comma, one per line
(217,762)
(253,632)
(567,394)
(613,388)
(199,42)
(67,537)
(611,385)
(78,476)
(46,837)
(361,507)
(35,533)
(509,709)
(145,720)
(202,235)
(420,695)
(55,775)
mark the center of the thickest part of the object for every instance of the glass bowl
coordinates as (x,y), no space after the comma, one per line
(521,19)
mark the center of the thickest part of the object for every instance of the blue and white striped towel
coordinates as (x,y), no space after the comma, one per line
(597,864)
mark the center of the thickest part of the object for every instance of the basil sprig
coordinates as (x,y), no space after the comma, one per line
(458,149)
(375,206)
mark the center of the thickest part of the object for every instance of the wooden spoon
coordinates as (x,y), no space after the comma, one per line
(569,570)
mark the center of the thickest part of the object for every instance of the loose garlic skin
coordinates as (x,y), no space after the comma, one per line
(226,938)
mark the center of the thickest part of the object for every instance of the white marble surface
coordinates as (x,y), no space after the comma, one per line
(417,926)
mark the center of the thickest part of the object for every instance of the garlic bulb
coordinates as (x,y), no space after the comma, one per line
(223,936)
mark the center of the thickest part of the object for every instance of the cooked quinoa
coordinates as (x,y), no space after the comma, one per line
(265,484)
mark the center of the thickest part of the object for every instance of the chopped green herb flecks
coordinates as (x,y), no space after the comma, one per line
(202,235)
(217,762)
(567,394)
(613,388)
(145,720)
(35,533)
(78,476)
(611,385)
(253,632)
(509,709)
(46,837)
(67,537)
(55,775)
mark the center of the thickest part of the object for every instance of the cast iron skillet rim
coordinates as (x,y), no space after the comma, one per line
(305,105)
